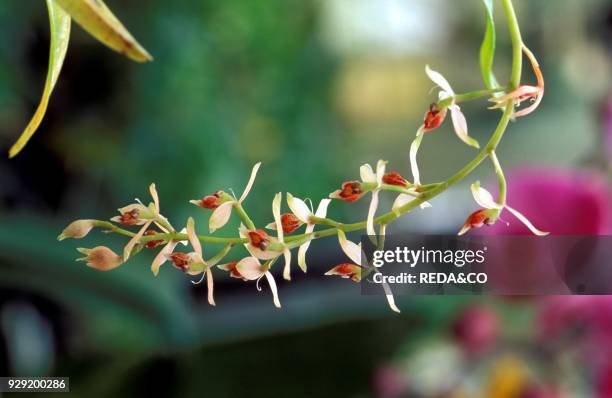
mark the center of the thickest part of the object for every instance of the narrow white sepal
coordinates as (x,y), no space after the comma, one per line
(210,287)
(272,284)
(414,149)
(372,213)
(525,221)
(249,185)
(390,298)
(440,80)
(380,171)
(351,249)
(287,268)
(155,197)
(460,126)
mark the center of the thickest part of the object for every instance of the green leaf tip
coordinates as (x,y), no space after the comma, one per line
(99,21)
(59,22)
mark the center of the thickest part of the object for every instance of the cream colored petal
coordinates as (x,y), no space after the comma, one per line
(193,238)
(302,255)
(530,108)
(162,257)
(414,148)
(525,221)
(249,185)
(460,126)
(484,197)
(127,250)
(351,249)
(155,197)
(262,254)
(249,268)
(367,174)
(304,246)
(401,200)
(440,80)
(271,226)
(274,289)
(220,216)
(299,208)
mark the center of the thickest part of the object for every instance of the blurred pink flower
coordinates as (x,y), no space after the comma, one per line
(388,382)
(563,202)
(475,329)
(606,124)
(603,387)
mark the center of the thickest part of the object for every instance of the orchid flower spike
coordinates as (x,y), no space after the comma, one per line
(524,92)
(250,269)
(353,270)
(302,212)
(222,203)
(491,211)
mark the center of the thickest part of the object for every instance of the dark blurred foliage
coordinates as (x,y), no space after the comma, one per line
(235,82)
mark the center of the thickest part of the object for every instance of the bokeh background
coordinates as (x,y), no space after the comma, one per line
(313,89)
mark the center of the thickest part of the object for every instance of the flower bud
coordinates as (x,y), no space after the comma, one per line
(259,238)
(351,191)
(395,179)
(152,244)
(479,218)
(232,269)
(211,202)
(289,222)
(77,229)
(346,270)
(130,217)
(101,258)
(180,260)
(433,118)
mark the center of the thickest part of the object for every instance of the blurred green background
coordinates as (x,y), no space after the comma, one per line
(313,89)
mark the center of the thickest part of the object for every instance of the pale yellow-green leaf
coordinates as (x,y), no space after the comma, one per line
(60,34)
(96,18)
